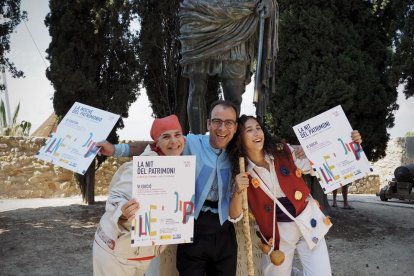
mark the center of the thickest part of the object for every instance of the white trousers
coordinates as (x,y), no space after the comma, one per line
(315,262)
(107,264)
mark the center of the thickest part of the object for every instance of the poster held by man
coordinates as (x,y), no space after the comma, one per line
(72,146)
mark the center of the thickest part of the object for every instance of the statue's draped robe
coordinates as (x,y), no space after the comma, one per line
(219,38)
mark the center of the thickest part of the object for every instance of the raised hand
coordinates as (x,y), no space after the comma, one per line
(356,136)
(106,148)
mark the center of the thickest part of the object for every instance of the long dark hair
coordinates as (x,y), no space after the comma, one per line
(271,146)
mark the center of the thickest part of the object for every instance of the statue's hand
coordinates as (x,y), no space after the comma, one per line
(264,7)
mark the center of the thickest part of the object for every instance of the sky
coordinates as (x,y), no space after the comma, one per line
(34,92)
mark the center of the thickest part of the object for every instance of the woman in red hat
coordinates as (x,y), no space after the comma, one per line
(274,172)
(112,251)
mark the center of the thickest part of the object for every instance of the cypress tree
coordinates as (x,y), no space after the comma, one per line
(333,53)
(93,61)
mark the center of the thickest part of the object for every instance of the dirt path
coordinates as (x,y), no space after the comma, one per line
(373,239)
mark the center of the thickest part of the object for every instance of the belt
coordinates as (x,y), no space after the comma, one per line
(211,204)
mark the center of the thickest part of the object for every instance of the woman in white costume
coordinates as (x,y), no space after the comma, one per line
(273,171)
(112,251)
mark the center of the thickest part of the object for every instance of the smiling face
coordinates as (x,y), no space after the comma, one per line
(222,126)
(252,136)
(171,142)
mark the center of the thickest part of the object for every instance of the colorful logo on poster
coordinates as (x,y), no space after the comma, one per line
(186,207)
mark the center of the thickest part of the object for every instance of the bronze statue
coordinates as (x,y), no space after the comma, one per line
(219,38)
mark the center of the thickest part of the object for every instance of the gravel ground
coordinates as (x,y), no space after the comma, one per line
(54,237)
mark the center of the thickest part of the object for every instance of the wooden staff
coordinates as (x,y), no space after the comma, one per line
(246,225)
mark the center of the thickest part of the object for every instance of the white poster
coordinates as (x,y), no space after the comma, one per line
(164,188)
(336,159)
(72,146)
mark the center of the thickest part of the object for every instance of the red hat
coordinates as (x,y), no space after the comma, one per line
(159,126)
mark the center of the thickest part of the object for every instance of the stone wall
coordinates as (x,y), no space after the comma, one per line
(396,156)
(366,185)
(24,176)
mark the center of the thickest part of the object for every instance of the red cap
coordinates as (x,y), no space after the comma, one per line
(159,126)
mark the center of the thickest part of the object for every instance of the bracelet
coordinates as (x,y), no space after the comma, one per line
(121,150)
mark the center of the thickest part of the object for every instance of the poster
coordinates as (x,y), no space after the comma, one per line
(164,187)
(72,146)
(336,160)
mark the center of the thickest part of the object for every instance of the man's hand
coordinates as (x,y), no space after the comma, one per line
(299,152)
(106,148)
(356,136)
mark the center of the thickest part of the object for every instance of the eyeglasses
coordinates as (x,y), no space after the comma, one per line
(227,123)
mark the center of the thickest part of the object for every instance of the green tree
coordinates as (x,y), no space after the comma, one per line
(10,17)
(158,51)
(15,128)
(93,61)
(400,14)
(334,53)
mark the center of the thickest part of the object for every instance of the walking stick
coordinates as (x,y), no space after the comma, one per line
(246,225)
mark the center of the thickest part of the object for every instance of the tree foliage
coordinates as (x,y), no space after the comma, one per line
(10,17)
(334,53)
(93,61)
(159,52)
(92,56)
(400,14)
